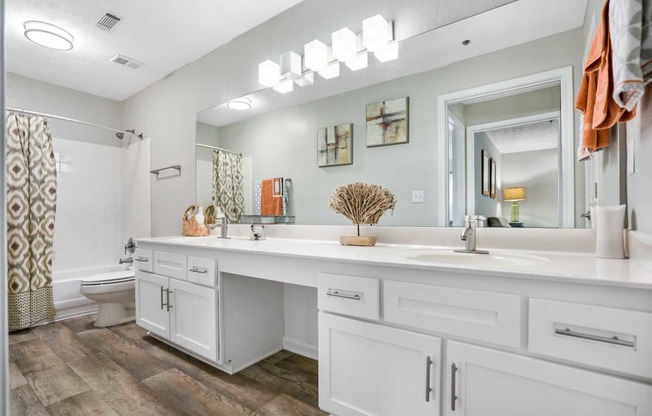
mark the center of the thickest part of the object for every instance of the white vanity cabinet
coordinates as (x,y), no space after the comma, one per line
(367,369)
(178,311)
(487,382)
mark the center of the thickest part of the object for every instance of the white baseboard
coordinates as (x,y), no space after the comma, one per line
(299,347)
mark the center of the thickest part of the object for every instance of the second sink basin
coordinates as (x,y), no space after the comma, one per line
(443,256)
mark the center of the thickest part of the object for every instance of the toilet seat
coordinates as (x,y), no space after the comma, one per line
(112,278)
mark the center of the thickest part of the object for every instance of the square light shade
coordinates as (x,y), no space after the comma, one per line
(514,194)
(388,53)
(359,62)
(284,86)
(307,79)
(345,44)
(290,63)
(331,71)
(269,73)
(315,55)
(376,33)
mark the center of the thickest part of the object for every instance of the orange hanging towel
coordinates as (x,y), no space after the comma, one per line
(595,97)
(271,196)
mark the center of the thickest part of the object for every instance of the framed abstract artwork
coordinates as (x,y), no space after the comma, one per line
(335,145)
(492,179)
(485,179)
(387,122)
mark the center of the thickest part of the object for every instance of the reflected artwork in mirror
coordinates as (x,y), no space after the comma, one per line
(511,90)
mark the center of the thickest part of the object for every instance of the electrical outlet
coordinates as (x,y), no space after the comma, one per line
(418,197)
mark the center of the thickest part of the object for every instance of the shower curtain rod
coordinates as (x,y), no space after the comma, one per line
(119,134)
(217,148)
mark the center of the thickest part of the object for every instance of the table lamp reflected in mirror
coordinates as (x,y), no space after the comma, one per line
(514,194)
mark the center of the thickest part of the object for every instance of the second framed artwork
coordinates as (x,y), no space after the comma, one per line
(486,173)
(387,122)
(335,145)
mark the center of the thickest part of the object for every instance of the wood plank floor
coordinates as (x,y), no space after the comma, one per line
(72,368)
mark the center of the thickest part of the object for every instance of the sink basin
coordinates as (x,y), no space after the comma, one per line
(443,256)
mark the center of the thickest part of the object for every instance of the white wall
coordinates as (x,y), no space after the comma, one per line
(136,210)
(540,180)
(638,184)
(30,94)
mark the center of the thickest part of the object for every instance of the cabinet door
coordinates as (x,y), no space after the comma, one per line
(193,318)
(372,370)
(493,383)
(151,299)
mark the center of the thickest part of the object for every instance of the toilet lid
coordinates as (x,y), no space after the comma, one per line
(109,278)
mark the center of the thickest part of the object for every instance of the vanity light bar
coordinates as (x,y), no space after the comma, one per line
(347,47)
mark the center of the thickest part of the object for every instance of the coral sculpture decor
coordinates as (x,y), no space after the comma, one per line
(362,203)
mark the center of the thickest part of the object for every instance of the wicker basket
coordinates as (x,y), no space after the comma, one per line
(190,227)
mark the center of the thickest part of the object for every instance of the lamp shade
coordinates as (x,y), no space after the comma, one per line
(514,194)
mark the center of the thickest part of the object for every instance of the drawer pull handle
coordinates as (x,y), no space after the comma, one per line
(429,363)
(613,340)
(337,294)
(200,270)
(453,386)
(142,259)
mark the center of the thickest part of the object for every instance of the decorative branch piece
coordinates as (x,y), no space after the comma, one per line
(361,202)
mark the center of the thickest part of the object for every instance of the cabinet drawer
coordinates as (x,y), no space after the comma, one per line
(486,316)
(143,260)
(349,295)
(202,271)
(169,264)
(615,339)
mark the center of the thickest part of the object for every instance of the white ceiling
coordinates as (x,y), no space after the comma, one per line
(540,135)
(162,35)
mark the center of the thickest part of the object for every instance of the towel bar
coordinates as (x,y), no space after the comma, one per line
(157,171)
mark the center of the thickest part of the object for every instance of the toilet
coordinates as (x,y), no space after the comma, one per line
(116,295)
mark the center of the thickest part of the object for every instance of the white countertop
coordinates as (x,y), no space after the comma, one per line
(547,265)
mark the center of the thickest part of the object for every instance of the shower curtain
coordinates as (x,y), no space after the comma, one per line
(227,184)
(31,207)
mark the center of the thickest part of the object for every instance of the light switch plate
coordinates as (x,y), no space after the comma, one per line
(418,197)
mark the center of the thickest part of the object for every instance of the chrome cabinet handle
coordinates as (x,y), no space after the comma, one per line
(337,294)
(142,259)
(453,386)
(200,270)
(607,340)
(162,304)
(429,363)
(168,296)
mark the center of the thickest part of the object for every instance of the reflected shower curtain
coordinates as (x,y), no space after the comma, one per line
(227,184)
(31,207)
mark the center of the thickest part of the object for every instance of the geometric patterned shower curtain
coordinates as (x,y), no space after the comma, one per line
(31,208)
(227,184)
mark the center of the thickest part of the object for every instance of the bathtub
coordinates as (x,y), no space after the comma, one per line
(68,302)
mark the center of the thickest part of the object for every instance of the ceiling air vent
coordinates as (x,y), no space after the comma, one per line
(123,60)
(107,21)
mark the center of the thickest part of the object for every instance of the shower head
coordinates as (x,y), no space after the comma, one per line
(120,135)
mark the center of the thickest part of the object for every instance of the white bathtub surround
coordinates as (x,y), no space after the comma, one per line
(87,228)
(135,189)
(454,337)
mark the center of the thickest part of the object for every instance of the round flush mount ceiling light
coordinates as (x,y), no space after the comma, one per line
(48,35)
(239,104)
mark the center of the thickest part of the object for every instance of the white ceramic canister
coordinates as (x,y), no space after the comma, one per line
(610,237)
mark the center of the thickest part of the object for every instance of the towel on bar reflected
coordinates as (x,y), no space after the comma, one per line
(629,31)
(595,97)
(271,196)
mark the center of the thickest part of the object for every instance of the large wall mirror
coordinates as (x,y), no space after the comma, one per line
(490,126)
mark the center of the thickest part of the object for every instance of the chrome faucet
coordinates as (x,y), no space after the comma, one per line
(469,235)
(223,224)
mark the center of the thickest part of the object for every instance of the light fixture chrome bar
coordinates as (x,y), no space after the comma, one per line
(219,149)
(72,120)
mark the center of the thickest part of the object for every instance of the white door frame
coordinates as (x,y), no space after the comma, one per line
(561,76)
(470,152)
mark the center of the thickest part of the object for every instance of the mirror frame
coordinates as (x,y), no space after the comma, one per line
(561,76)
